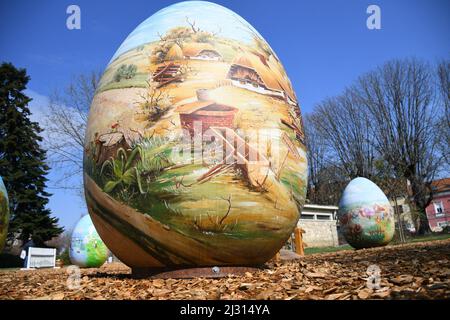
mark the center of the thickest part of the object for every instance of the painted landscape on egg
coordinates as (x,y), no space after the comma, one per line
(367,224)
(205,210)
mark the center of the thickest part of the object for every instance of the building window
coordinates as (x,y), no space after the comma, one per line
(438,208)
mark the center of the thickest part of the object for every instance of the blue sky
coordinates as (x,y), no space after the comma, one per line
(324,45)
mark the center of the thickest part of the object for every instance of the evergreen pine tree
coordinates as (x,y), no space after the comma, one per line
(23,161)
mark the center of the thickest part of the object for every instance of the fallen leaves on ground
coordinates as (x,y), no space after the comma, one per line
(410,271)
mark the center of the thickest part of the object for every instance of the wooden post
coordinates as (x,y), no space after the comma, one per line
(299,245)
(278,257)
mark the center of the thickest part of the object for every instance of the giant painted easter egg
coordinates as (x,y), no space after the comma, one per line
(365,215)
(4,214)
(86,247)
(195,151)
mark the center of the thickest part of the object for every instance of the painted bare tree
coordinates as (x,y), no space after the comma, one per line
(400,98)
(154,103)
(179,36)
(66,120)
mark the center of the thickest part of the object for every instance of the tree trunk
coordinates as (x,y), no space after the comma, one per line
(421,197)
(399,221)
(424,226)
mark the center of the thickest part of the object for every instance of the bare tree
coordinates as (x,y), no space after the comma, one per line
(66,120)
(400,97)
(443,75)
(316,157)
(397,115)
(347,132)
(443,71)
(325,181)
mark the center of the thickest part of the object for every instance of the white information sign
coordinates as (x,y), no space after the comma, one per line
(41,258)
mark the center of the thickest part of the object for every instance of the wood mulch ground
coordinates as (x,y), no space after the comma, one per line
(410,271)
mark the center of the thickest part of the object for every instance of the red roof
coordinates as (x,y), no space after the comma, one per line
(441,185)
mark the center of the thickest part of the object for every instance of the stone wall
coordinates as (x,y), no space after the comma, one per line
(319,233)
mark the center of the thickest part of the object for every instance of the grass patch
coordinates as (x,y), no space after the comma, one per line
(425,238)
(327,249)
(429,237)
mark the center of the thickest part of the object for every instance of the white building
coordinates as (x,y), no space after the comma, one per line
(319,223)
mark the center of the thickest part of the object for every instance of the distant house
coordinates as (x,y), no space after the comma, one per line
(200,51)
(438,211)
(403,215)
(251,72)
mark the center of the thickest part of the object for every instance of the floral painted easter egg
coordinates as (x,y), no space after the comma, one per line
(194,150)
(365,215)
